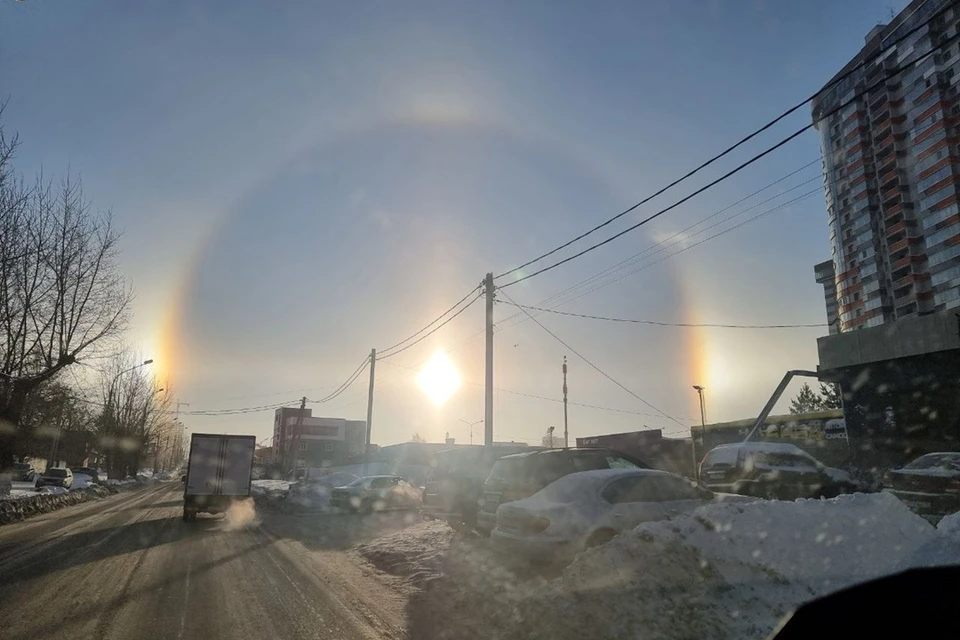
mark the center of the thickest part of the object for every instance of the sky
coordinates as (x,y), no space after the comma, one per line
(300,182)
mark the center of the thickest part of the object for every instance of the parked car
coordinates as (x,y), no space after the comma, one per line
(57,477)
(454,485)
(376,493)
(589,508)
(88,471)
(930,485)
(21,471)
(523,474)
(773,470)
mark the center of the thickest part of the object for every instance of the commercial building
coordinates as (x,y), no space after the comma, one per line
(301,441)
(891,172)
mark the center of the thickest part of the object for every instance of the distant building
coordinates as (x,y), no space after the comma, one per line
(307,441)
(891,173)
(649,446)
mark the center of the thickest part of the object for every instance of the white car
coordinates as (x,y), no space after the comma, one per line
(589,508)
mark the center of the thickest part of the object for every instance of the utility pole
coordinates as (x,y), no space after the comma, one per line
(373,368)
(488,382)
(566,433)
(296,435)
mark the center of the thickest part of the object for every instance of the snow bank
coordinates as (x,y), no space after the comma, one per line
(81,481)
(415,553)
(269,486)
(724,571)
(950,525)
(735,569)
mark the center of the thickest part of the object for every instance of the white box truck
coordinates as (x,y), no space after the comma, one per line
(219,470)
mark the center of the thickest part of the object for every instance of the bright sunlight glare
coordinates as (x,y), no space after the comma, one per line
(438,379)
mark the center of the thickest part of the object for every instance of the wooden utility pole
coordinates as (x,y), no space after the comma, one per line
(566,433)
(373,368)
(296,435)
(488,382)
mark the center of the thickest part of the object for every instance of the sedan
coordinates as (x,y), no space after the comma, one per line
(376,493)
(930,485)
(589,508)
(56,478)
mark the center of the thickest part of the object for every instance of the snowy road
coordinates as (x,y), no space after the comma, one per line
(128,567)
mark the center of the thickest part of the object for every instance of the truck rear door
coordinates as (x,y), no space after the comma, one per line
(204,465)
(237,466)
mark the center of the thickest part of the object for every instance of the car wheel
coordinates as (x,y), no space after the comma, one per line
(600,537)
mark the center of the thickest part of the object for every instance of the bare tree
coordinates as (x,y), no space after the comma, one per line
(136,418)
(61,292)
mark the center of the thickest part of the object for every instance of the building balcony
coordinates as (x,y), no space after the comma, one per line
(890,212)
(896,228)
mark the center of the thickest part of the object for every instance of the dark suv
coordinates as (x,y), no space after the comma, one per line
(774,470)
(522,475)
(455,482)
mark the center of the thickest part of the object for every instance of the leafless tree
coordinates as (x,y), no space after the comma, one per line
(136,418)
(61,292)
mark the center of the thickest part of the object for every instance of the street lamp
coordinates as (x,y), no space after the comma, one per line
(110,394)
(471,425)
(703,429)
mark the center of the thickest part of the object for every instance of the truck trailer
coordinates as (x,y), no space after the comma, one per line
(219,471)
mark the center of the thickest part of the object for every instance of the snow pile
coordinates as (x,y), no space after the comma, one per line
(415,553)
(268,487)
(950,525)
(81,481)
(728,570)
(735,569)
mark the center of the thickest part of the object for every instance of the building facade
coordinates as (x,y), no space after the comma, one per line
(306,441)
(827,277)
(891,173)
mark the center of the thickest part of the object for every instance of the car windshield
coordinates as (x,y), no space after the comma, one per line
(261,260)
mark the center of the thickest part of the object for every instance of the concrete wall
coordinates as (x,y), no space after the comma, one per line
(908,337)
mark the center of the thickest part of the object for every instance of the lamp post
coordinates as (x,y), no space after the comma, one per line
(703,429)
(471,425)
(110,394)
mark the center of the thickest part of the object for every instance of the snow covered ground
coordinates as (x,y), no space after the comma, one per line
(269,486)
(415,553)
(724,571)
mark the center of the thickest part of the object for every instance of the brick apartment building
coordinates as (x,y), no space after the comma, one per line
(891,173)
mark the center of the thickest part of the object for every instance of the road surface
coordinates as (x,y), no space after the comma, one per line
(129,567)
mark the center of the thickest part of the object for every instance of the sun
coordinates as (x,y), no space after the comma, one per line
(438,379)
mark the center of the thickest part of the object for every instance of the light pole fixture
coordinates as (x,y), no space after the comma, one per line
(471,425)
(703,429)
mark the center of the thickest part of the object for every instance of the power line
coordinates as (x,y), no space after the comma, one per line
(739,168)
(431,332)
(669,324)
(659,213)
(549,399)
(433,322)
(595,367)
(837,80)
(346,385)
(651,250)
(663,247)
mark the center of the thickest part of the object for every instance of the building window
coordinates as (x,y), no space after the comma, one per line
(328,446)
(303,446)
